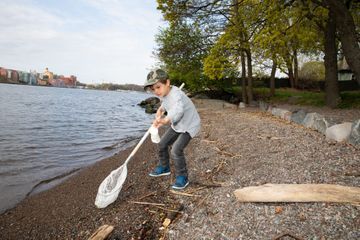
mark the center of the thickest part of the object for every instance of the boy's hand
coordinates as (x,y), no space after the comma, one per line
(159,113)
(158,122)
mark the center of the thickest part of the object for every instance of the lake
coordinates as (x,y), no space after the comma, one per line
(49,133)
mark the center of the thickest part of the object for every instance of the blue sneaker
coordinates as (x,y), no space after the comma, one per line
(160,171)
(180,183)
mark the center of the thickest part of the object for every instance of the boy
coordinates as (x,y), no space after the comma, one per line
(185,124)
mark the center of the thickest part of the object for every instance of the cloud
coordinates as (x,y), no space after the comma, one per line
(107,41)
(22,23)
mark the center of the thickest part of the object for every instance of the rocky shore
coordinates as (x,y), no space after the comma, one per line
(236,148)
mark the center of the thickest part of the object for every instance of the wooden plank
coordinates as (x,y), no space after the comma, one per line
(102,232)
(299,193)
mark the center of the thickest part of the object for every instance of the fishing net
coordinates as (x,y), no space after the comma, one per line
(110,188)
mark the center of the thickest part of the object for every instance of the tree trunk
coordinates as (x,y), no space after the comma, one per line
(290,74)
(296,70)
(347,33)
(250,79)
(243,78)
(289,65)
(272,77)
(243,63)
(332,95)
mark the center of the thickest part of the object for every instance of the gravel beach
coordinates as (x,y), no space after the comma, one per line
(235,148)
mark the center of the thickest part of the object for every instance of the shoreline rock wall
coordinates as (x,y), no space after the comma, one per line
(337,131)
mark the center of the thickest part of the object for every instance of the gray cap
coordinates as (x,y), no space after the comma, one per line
(154,76)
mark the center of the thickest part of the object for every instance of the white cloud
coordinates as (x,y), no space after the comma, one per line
(115,47)
(21,23)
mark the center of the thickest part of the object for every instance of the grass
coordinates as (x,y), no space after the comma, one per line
(299,97)
(349,99)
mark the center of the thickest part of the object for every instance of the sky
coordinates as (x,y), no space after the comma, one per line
(99,41)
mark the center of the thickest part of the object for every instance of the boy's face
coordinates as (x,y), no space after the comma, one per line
(161,89)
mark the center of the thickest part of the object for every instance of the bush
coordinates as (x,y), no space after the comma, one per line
(314,70)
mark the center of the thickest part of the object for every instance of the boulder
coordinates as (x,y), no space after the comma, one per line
(339,132)
(253,104)
(282,113)
(242,105)
(298,116)
(151,108)
(317,122)
(263,106)
(150,100)
(287,116)
(151,104)
(354,137)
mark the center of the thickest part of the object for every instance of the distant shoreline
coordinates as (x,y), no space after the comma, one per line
(119,87)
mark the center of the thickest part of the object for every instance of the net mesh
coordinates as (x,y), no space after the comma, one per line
(111,186)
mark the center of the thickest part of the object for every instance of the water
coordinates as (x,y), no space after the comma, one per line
(51,132)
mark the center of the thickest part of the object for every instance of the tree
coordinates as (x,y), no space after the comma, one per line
(181,49)
(345,25)
(285,34)
(221,63)
(332,96)
(344,12)
(325,20)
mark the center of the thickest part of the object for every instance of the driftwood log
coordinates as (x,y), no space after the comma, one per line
(102,232)
(299,193)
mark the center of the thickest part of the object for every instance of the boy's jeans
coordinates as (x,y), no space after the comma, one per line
(179,141)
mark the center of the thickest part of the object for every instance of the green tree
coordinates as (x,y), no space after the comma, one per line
(287,33)
(181,49)
(222,61)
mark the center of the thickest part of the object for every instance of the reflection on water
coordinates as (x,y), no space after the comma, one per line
(47,132)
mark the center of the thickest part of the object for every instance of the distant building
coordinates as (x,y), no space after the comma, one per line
(346,77)
(33,77)
(46,78)
(47,75)
(344,71)
(69,81)
(9,75)
(61,81)
(3,74)
(14,76)
(24,77)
